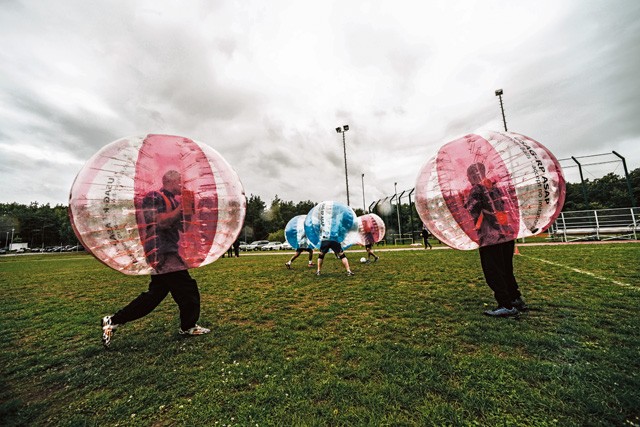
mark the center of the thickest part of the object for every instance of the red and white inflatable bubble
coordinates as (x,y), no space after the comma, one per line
(487,188)
(119,197)
(371,229)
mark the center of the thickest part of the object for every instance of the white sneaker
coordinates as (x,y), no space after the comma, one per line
(196,330)
(107,330)
(502,312)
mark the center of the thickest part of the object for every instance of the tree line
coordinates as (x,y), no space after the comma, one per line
(41,225)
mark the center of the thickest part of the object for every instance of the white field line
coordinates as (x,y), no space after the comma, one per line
(587,273)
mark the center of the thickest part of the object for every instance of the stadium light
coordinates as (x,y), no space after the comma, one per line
(395,185)
(343,130)
(364,206)
(499,93)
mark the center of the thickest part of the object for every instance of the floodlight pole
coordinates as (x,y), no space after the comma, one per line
(43,227)
(395,185)
(343,130)
(364,206)
(499,93)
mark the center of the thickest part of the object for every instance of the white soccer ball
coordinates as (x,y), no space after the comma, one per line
(363,260)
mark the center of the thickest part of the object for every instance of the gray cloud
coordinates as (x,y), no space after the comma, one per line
(267,86)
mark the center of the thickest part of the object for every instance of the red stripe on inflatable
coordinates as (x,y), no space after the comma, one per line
(452,162)
(162,153)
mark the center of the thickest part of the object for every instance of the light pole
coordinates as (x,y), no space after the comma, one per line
(343,130)
(499,95)
(43,227)
(395,186)
(32,233)
(12,230)
(364,206)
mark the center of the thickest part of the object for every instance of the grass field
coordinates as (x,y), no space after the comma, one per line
(401,343)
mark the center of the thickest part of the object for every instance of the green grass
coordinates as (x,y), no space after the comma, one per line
(401,343)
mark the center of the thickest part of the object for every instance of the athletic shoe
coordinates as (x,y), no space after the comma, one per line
(107,330)
(350,273)
(519,304)
(288,265)
(311,265)
(317,273)
(376,259)
(502,312)
(196,330)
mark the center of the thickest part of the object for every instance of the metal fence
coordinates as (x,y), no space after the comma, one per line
(400,217)
(600,224)
(404,225)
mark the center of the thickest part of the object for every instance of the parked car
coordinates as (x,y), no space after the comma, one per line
(286,246)
(255,246)
(272,246)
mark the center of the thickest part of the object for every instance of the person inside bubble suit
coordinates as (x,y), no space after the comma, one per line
(164,218)
(368,246)
(486,204)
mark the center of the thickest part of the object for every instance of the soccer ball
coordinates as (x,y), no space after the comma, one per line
(363,260)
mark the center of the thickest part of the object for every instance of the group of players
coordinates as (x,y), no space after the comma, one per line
(325,247)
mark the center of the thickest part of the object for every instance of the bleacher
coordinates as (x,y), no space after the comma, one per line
(602,224)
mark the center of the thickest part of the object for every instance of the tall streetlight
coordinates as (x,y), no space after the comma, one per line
(343,130)
(364,206)
(43,227)
(395,186)
(499,95)
(32,233)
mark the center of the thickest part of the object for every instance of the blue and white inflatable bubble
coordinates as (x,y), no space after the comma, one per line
(329,221)
(295,234)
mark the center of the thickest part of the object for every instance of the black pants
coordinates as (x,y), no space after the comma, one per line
(183,289)
(497,266)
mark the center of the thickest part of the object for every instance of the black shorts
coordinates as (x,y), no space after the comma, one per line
(300,250)
(368,246)
(330,244)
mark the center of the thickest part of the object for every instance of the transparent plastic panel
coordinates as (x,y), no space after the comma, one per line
(156,203)
(487,188)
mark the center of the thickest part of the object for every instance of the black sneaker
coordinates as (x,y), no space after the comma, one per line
(350,273)
(519,304)
(502,312)
(288,265)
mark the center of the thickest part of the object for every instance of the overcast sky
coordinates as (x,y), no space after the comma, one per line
(266,83)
